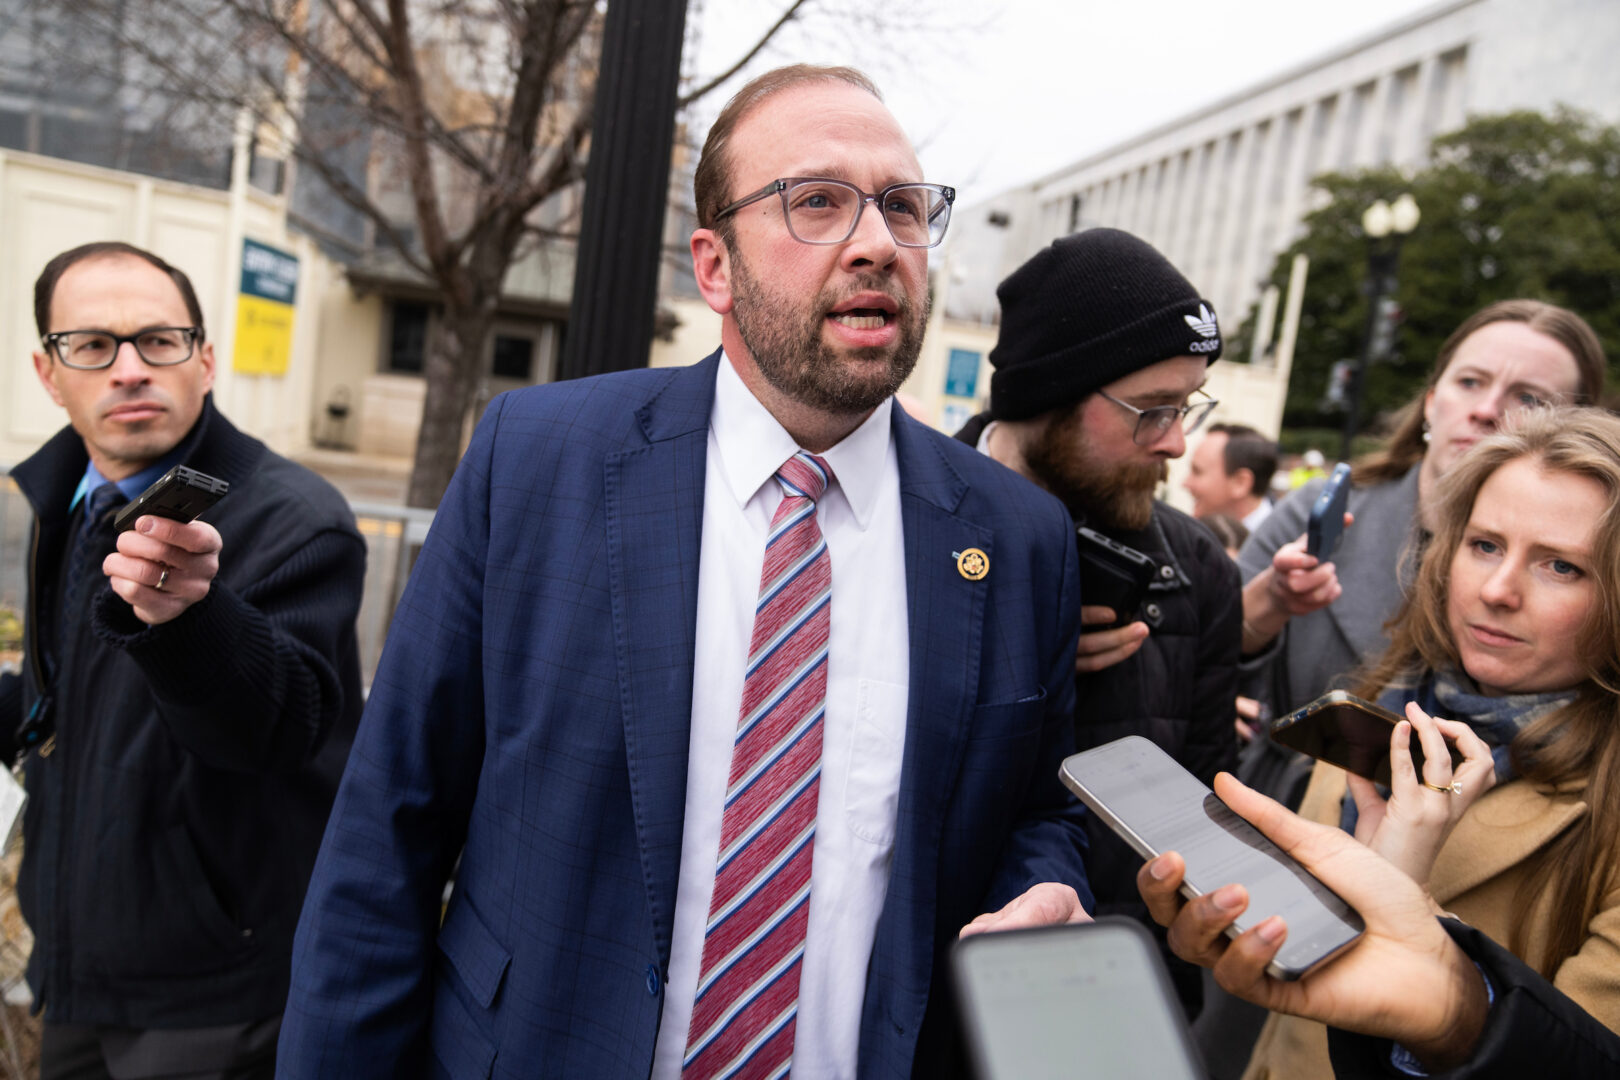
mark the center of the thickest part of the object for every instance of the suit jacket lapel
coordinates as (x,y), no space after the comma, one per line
(945,618)
(654,501)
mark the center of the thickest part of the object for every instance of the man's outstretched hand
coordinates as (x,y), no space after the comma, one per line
(162,567)
(1046,904)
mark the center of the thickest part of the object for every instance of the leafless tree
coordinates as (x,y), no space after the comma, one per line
(444,125)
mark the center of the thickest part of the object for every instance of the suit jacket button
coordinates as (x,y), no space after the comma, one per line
(652,979)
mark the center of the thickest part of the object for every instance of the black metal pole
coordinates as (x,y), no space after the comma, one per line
(1352,414)
(1380,283)
(610,322)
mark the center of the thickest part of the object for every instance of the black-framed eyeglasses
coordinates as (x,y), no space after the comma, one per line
(92,350)
(823,211)
(1152,424)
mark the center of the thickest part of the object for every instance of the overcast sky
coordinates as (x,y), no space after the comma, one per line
(998,92)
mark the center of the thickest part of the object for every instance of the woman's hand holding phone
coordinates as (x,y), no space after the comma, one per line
(1300,582)
(1296,583)
(1411,826)
(1405,979)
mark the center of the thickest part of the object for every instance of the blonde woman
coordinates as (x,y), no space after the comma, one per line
(1512,628)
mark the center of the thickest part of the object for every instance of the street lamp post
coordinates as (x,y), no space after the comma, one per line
(1387,228)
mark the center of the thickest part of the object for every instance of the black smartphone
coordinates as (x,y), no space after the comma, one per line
(1344,730)
(179,495)
(1113,575)
(1155,806)
(1063,1002)
(1326,526)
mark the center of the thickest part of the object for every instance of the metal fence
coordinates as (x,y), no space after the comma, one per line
(393,536)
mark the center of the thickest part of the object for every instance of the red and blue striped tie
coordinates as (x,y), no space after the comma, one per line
(748,987)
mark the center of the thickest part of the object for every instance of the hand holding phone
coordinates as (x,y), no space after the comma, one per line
(1155,805)
(1344,730)
(1113,575)
(1403,980)
(1325,528)
(1429,791)
(1063,1002)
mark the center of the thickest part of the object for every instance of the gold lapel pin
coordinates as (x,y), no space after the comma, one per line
(972,564)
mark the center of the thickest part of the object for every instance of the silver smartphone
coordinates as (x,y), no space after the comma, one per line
(1071,1002)
(1155,805)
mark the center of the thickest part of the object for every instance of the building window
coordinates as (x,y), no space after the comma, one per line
(407,338)
(513,358)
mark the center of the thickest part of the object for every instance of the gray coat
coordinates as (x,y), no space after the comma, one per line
(1316,652)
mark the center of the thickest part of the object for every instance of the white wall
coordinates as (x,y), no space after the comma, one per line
(697,334)
(48,206)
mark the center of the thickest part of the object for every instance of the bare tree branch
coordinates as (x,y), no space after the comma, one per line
(720,79)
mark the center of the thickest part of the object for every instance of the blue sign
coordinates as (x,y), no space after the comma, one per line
(962,373)
(268,273)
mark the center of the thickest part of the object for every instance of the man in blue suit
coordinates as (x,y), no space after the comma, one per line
(559,699)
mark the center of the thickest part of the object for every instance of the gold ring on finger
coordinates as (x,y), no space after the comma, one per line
(1453,788)
(163,579)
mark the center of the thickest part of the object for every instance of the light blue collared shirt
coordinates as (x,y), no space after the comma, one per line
(131,486)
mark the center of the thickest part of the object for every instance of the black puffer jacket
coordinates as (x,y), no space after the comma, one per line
(172,827)
(1177,689)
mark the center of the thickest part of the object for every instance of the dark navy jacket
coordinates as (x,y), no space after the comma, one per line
(172,822)
(534,704)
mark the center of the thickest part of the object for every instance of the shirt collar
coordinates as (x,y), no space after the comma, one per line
(753,445)
(983,445)
(131,486)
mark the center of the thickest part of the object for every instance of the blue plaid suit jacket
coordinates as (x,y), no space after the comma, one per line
(531,714)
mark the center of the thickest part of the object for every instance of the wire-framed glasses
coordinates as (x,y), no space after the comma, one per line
(92,350)
(823,211)
(1152,424)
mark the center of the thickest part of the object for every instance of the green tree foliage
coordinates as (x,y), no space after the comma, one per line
(1517,204)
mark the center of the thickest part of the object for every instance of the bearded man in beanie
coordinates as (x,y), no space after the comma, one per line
(1099,373)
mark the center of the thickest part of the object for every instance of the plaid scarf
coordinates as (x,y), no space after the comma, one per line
(1452,695)
(1496,720)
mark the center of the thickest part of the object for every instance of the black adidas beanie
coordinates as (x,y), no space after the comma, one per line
(1089,309)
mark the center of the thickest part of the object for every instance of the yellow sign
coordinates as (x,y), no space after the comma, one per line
(263,336)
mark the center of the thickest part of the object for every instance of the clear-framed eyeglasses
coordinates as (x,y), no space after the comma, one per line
(1152,424)
(822,211)
(92,350)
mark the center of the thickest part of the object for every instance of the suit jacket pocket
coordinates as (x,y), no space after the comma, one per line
(1015,718)
(459,1047)
(459,1032)
(474,952)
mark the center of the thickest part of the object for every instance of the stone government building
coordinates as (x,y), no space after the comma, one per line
(1223,189)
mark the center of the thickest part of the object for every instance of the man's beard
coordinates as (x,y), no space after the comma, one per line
(789,351)
(1103,494)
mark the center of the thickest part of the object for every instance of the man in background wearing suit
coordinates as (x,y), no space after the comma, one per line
(739,693)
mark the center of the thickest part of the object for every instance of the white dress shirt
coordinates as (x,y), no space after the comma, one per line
(1253,518)
(863,733)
